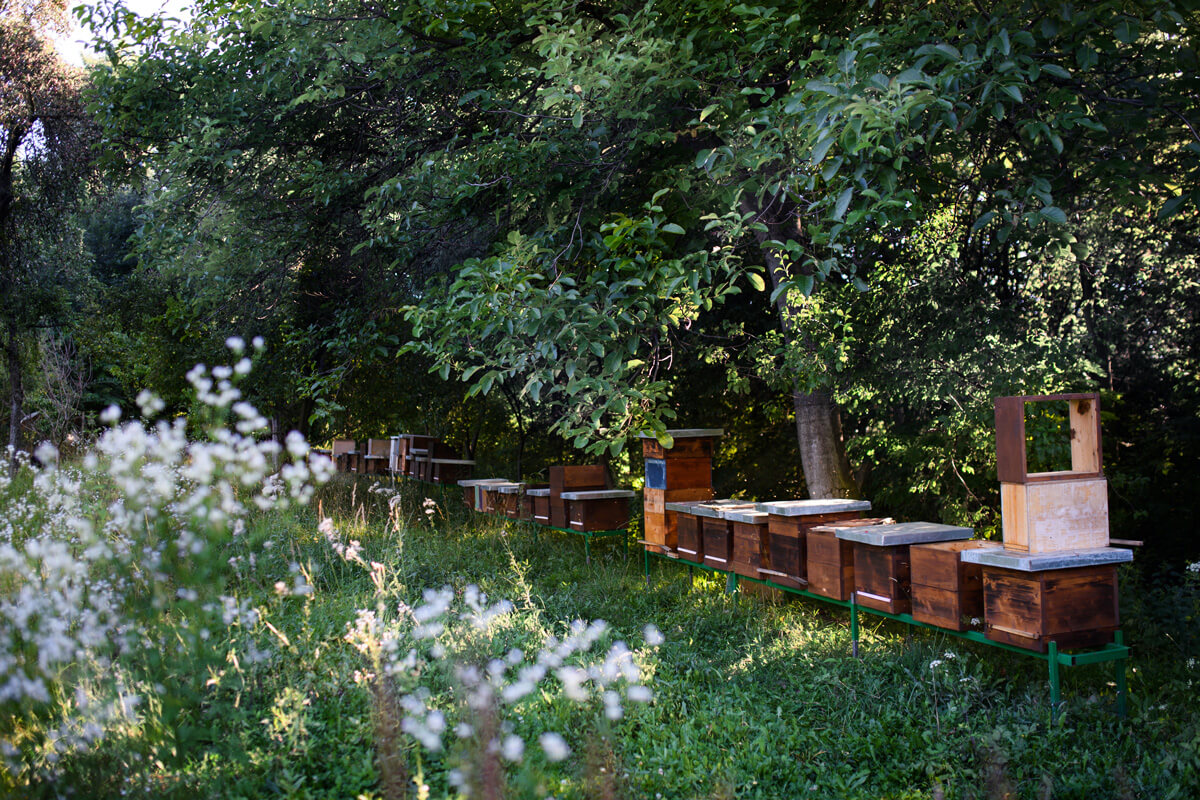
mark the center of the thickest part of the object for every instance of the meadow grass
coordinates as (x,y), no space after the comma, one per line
(755,695)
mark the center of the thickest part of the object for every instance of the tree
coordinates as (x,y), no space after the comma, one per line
(559,193)
(43,153)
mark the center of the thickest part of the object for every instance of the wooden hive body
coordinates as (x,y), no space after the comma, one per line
(947,591)
(572,479)
(1075,607)
(1044,512)
(786,557)
(676,474)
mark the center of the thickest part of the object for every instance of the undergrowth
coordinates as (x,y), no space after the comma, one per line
(754,696)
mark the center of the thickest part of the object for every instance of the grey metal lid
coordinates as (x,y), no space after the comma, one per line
(482,481)
(1039,562)
(688,433)
(689,506)
(721,510)
(749,516)
(805,508)
(598,494)
(508,488)
(451,461)
(902,533)
(538,492)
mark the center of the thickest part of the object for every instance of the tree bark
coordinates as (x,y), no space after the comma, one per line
(17,391)
(823,457)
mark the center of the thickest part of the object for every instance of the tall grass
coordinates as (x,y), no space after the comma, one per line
(352,653)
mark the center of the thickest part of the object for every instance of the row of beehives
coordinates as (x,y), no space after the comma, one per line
(1052,579)
(576,498)
(410,455)
(936,573)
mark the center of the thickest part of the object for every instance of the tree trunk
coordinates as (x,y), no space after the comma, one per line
(16,393)
(823,458)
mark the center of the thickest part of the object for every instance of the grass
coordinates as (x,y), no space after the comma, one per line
(756,695)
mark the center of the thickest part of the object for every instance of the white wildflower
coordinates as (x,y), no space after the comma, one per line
(554,746)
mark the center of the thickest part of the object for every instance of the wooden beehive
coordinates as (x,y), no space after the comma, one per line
(602,510)
(830,561)
(451,470)
(690,538)
(592,477)
(539,500)
(788,524)
(882,566)
(341,452)
(509,499)
(947,591)
(749,541)
(716,529)
(676,474)
(1052,511)
(1073,607)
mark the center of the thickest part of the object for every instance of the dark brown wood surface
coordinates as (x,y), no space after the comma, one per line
(683,448)
(608,514)
(748,548)
(830,564)
(718,541)
(882,577)
(1073,607)
(690,541)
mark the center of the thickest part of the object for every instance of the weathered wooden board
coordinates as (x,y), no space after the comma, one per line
(718,542)
(690,540)
(1074,607)
(748,546)
(829,564)
(1059,515)
(684,448)
(882,577)
(947,591)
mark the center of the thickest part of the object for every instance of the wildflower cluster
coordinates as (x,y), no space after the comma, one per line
(442,642)
(93,555)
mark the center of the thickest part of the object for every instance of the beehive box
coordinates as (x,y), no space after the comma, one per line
(601,510)
(788,523)
(511,496)
(716,529)
(451,470)
(830,560)
(539,501)
(749,541)
(493,498)
(1052,511)
(341,452)
(947,591)
(882,566)
(1032,599)
(676,474)
(472,496)
(592,477)
(690,539)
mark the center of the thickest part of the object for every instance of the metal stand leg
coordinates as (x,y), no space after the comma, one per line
(587,549)
(853,626)
(1122,687)
(646,565)
(691,578)
(1055,680)
(731,583)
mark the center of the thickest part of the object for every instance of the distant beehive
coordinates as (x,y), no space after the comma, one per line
(675,474)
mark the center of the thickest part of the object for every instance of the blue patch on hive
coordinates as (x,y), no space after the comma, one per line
(656,473)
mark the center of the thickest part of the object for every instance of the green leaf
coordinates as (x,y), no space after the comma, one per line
(1013,92)
(821,148)
(756,281)
(708,110)
(1054,214)
(843,202)
(671,227)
